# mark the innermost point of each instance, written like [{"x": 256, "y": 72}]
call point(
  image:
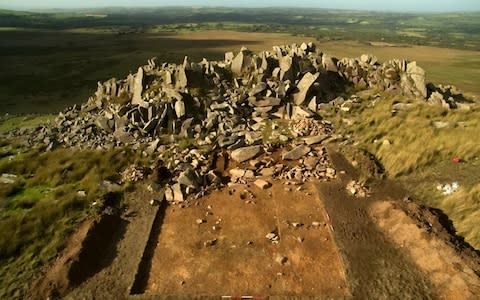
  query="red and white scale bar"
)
[
  {"x": 328, "y": 221},
  {"x": 244, "y": 297}
]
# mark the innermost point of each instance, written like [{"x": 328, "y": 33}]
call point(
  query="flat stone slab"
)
[
  {"x": 296, "y": 153},
  {"x": 315, "y": 139},
  {"x": 246, "y": 153}
]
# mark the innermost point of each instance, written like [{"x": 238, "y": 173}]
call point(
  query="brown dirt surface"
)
[
  {"x": 449, "y": 272},
  {"x": 243, "y": 261}
]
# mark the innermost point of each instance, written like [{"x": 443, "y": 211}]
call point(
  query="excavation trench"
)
[{"x": 228, "y": 254}]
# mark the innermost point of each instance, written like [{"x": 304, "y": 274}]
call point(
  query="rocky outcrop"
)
[{"x": 245, "y": 106}]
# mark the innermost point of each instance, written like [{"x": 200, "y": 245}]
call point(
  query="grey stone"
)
[
  {"x": 311, "y": 162},
  {"x": 299, "y": 113},
  {"x": 188, "y": 178},
  {"x": 418, "y": 76},
  {"x": 138, "y": 88},
  {"x": 317, "y": 139},
  {"x": 246, "y": 153},
  {"x": 103, "y": 124},
  {"x": 272, "y": 236},
  {"x": 210, "y": 243},
  {"x": 177, "y": 193},
  {"x": 8, "y": 178},
  {"x": 441, "y": 124},
  {"x": 238, "y": 63},
  {"x": 180, "y": 108},
  {"x": 313, "y": 104},
  {"x": 265, "y": 102},
  {"x": 303, "y": 87},
  {"x": 285, "y": 63},
  {"x": 296, "y": 152},
  {"x": 401, "y": 106},
  {"x": 267, "y": 172},
  {"x": 259, "y": 87},
  {"x": 181, "y": 78},
  {"x": 225, "y": 141},
  {"x": 281, "y": 260},
  {"x": 153, "y": 146},
  {"x": 329, "y": 64},
  {"x": 122, "y": 136},
  {"x": 236, "y": 173},
  {"x": 229, "y": 56}
]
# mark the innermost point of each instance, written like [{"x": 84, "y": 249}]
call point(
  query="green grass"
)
[
  {"x": 26, "y": 121},
  {"x": 415, "y": 143},
  {"x": 420, "y": 156},
  {"x": 42, "y": 208}
]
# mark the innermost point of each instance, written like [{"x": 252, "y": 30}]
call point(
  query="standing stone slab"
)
[
  {"x": 180, "y": 108},
  {"x": 237, "y": 64},
  {"x": 138, "y": 88},
  {"x": 303, "y": 86},
  {"x": 246, "y": 153},
  {"x": 417, "y": 74}
]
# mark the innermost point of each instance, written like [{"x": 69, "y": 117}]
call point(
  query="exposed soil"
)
[
  {"x": 376, "y": 247},
  {"x": 243, "y": 261},
  {"x": 397, "y": 249},
  {"x": 89, "y": 250}
]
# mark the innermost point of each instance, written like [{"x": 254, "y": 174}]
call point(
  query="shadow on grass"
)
[{"x": 98, "y": 249}]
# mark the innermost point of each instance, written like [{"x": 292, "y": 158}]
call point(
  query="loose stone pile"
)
[{"x": 246, "y": 106}]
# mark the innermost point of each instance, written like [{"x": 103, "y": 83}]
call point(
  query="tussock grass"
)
[
  {"x": 11, "y": 122},
  {"x": 414, "y": 142},
  {"x": 420, "y": 156},
  {"x": 464, "y": 209},
  {"x": 43, "y": 207}
]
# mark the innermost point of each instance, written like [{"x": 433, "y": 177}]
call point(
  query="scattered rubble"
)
[
  {"x": 449, "y": 188},
  {"x": 357, "y": 189},
  {"x": 8, "y": 178}
]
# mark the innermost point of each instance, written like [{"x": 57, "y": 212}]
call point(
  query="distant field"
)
[{"x": 45, "y": 71}]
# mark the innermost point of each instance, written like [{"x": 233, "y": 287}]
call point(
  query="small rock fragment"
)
[{"x": 263, "y": 184}]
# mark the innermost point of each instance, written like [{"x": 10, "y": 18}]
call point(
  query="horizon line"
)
[{"x": 39, "y": 9}]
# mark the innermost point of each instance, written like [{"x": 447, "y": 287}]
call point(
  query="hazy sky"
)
[{"x": 396, "y": 5}]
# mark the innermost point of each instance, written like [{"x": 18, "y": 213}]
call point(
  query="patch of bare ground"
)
[
  {"x": 453, "y": 271},
  {"x": 91, "y": 248},
  {"x": 397, "y": 249},
  {"x": 218, "y": 246},
  {"x": 101, "y": 259}
]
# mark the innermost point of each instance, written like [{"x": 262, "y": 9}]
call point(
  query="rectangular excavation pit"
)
[{"x": 218, "y": 247}]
